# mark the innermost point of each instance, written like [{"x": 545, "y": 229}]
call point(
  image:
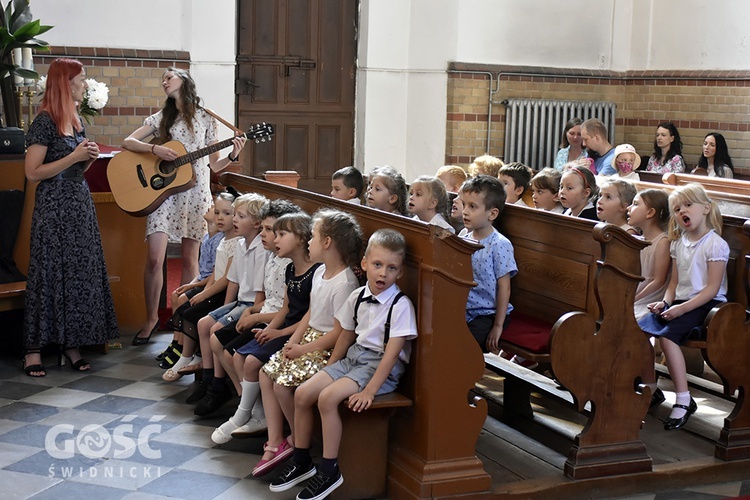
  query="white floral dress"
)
[{"x": 181, "y": 215}]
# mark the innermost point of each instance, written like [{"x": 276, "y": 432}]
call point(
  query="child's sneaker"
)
[
  {"x": 320, "y": 486},
  {"x": 291, "y": 475}
]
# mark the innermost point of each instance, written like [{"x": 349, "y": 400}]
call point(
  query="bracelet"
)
[
  {"x": 666, "y": 304},
  {"x": 152, "y": 148},
  {"x": 232, "y": 160}
]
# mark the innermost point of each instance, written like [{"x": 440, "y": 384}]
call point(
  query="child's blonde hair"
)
[
  {"x": 395, "y": 184},
  {"x": 456, "y": 174},
  {"x": 390, "y": 239},
  {"x": 626, "y": 190},
  {"x": 485, "y": 165},
  {"x": 253, "y": 203},
  {"x": 299, "y": 224},
  {"x": 657, "y": 199},
  {"x": 344, "y": 231},
  {"x": 437, "y": 192},
  {"x": 548, "y": 178},
  {"x": 693, "y": 193}
]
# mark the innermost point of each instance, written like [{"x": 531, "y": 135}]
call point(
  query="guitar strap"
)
[{"x": 222, "y": 120}]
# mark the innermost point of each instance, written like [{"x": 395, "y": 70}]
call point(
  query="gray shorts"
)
[
  {"x": 360, "y": 364},
  {"x": 229, "y": 312}
]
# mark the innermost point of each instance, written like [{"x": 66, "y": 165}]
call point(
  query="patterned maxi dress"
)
[
  {"x": 181, "y": 215},
  {"x": 68, "y": 299}
]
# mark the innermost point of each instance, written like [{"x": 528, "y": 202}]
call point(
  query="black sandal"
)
[
  {"x": 78, "y": 364},
  {"x": 37, "y": 368}
]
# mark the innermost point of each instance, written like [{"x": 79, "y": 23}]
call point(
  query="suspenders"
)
[{"x": 387, "y": 326}]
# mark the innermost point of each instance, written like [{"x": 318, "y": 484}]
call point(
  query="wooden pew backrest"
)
[{"x": 427, "y": 457}]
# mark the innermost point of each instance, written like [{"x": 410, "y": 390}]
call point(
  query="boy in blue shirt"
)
[{"x": 488, "y": 305}]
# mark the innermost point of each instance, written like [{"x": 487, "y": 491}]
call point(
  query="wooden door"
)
[{"x": 295, "y": 70}]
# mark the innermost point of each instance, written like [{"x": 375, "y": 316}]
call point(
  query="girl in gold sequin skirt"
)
[{"x": 337, "y": 243}]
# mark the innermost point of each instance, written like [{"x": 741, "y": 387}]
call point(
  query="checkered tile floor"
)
[{"x": 119, "y": 431}]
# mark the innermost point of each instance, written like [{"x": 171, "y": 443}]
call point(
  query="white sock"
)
[
  {"x": 258, "y": 412},
  {"x": 183, "y": 361},
  {"x": 250, "y": 393},
  {"x": 682, "y": 398}
]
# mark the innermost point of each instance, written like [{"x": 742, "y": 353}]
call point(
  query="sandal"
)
[
  {"x": 281, "y": 452},
  {"x": 79, "y": 364},
  {"x": 35, "y": 368}
]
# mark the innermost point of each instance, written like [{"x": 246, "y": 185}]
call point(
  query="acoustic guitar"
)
[{"x": 140, "y": 182}]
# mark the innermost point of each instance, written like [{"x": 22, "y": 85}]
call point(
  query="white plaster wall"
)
[
  {"x": 692, "y": 35},
  {"x": 401, "y": 84},
  {"x": 209, "y": 34}
]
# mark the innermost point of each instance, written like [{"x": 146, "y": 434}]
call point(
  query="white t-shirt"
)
[
  {"x": 249, "y": 268},
  {"x": 328, "y": 296},
  {"x": 692, "y": 264},
  {"x": 224, "y": 251},
  {"x": 371, "y": 319},
  {"x": 356, "y": 201},
  {"x": 273, "y": 284}
]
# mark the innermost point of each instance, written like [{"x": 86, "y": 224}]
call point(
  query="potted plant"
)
[{"x": 17, "y": 30}]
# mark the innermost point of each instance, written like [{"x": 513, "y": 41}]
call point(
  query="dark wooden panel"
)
[{"x": 296, "y": 69}]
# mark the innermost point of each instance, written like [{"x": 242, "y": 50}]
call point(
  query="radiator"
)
[{"x": 534, "y": 127}]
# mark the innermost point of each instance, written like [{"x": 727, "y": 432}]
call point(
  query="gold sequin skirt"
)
[{"x": 292, "y": 372}]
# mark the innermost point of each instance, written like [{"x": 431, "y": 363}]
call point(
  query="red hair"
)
[{"x": 57, "y": 99}]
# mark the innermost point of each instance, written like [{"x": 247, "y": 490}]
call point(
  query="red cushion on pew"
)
[{"x": 528, "y": 332}]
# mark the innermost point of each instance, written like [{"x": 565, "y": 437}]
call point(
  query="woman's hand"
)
[
  {"x": 86, "y": 150},
  {"x": 164, "y": 152},
  {"x": 237, "y": 144}
]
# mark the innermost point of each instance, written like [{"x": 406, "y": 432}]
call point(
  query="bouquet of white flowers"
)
[{"x": 94, "y": 99}]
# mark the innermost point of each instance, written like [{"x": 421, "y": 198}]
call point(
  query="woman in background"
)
[
  {"x": 571, "y": 148},
  {"x": 667, "y": 155},
  {"x": 715, "y": 158}
]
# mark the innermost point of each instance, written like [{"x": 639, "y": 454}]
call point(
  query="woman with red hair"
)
[{"x": 68, "y": 300}]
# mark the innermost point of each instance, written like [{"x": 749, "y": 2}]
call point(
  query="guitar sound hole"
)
[{"x": 166, "y": 168}]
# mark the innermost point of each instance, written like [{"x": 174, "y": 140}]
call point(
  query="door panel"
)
[{"x": 295, "y": 70}]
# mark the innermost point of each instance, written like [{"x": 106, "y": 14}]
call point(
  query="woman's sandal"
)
[
  {"x": 80, "y": 363},
  {"x": 38, "y": 368},
  {"x": 281, "y": 452}
]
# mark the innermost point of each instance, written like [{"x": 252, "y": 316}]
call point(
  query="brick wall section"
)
[
  {"x": 134, "y": 80},
  {"x": 698, "y": 102}
]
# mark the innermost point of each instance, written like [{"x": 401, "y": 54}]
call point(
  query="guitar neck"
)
[{"x": 200, "y": 153}]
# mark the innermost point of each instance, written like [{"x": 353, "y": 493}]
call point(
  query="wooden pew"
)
[
  {"x": 717, "y": 184},
  {"x": 729, "y": 203},
  {"x": 581, "y": 279},
  {"x": 431, "y": 443}
]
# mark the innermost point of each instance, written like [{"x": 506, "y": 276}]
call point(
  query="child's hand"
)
[
  {"x": 264, "y": 335},
  {"x": 197, "y": 298},
  {"x": 671, "y": 313},
  {"x": 361, "y": 401},
  {"x": 656, "y": 307},
  {"x": 183, "y": 288},
  {"x": 245, "y": 321},
  {"x": 293, "y": 351},
  {"x": 493, "y": 339}
]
